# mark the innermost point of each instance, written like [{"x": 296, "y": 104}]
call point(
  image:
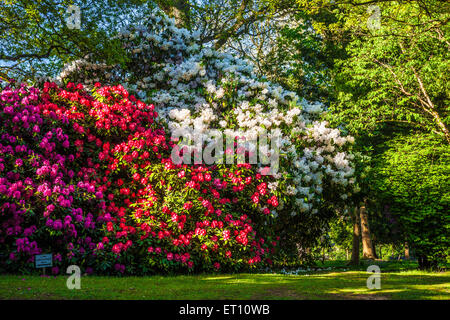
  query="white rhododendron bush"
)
[{"x": 202, "y": 92}]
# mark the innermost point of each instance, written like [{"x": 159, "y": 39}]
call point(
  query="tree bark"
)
[
  {"x": 431, "y": 109},
  {"x": 440, "y": 124},
  {"x": 374, "y": 245},
  {"x": 356, "y": 234},
  {"x": 406, "y": 251},
  {"x": 425, "y": 264},
  {"x": 374, "y": 248},
  {"x": 368, "y": 252}
]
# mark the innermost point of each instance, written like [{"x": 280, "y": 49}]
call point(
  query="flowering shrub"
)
[
  {"x": 48, "y": 199},
  {"x": 89, "y": 178},
  {"x": 199, "y": 89}
]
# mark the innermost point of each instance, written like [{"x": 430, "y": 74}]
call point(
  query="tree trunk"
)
[
  {"x": 406, "y": 251},
  {"x": 425, "y": 264},
  {"x": 440, "y": 124},
  {"x": 374, "y": 246},
  {"x": 356, "y": 234},
  {"x": 431, "y": 107},
  {"x": 368, "y": 252}
]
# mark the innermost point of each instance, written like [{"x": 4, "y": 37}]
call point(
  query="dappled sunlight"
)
[
  {"x": 364, "y": 290},
  {"x": 331, "y": 285},
  {"x": 216, "y": 278}
]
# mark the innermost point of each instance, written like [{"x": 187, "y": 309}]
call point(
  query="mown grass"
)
[{"x": 313, "y": 285}]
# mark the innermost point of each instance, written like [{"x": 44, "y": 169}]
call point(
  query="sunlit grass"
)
[{"x": 311, "y": 285}]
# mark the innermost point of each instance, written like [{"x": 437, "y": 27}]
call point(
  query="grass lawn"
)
[{"x": 311, "y": 285}]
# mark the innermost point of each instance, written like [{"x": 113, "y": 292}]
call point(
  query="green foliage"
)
[
  {"x": 35, "y": 39},
  {"x": 398, "y": 73},
  {"x": 341, "y": 232},
  {"x": 390, "y": 89},
  {"x": 411, "y": 177},
  {"x": 303, "y": 59}
]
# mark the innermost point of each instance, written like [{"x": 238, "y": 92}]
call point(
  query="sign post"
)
[{"x": 43, "y": 261}]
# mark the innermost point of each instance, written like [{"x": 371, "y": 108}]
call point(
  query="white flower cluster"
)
[
  {"x": 196, "y": 87},
  {"x": 91, "y": 71}
]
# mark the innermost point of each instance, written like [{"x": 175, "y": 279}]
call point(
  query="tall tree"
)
[
  {"x": 397, "y": 73},
  {"x": 411, "y": 177},
  {"x": 392, "y": 85},
  {"x": 38, "y": 37}
]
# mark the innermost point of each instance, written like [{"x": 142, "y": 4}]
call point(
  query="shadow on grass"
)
[
  {"x": 336, "y": 285},
  {"x": 320, "y": 285}
]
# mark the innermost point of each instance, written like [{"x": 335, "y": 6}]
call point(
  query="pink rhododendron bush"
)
[{"x": 88, "y": 176}]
